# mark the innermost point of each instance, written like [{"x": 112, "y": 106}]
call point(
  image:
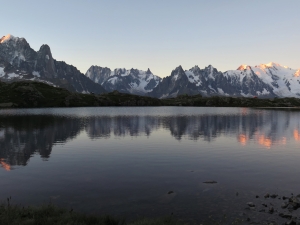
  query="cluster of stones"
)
[{"x": 287, "y": 210}]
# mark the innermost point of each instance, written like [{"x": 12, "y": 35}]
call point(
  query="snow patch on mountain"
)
[
  {"x": 193, "y": 78},
  {"x": 221, "y": 91},
  {"x": 113, "y": 80},
  {"x": 2, "y": 73},
  {"x": 36, "y": 74}
]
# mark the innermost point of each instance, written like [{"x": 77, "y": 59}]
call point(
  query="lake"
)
[{"x": 150, "y": 161}]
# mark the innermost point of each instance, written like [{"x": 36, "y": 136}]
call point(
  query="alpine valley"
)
[{"x": 18, "y": 61}]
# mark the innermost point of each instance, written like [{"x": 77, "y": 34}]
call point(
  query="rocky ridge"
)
[{"x": 18, "y": 61}]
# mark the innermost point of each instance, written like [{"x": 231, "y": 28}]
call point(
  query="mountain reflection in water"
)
[
  {"x": 125, "y": 160},
  {"x": 22, "y": 136}
]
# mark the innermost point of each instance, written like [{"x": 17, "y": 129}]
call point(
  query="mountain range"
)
[{"x": 18, "y": 61}]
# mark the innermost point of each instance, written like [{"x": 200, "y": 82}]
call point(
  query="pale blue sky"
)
[{"x": 159, "y": 34}]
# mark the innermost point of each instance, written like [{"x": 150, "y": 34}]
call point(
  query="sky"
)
[{"x": 159, "y": 34}]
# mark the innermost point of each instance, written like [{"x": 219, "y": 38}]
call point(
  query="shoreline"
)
[
  {"x": 269, "y": 208},
  {"x": 40, "y": 95}
]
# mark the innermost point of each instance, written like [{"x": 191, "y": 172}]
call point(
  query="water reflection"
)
[
  {"x": 297, "y": 135},
  {"x": 21, "y": 136}
]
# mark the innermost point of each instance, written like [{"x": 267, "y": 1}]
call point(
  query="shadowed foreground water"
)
[{"x": 124, "y": 161}]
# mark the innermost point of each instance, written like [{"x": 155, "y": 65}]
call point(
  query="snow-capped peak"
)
[
  {"x": 263, "y": 66},
  {"x": 244, "y": 67},
  {"x": 297, "y": 74},
  {"x": 283, "y": 80},
  {"x": 6, "y": 38},
  {"x": 271, "y": 64}
]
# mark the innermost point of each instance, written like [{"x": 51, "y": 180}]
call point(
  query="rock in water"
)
[{"x": 250, "y": 204}]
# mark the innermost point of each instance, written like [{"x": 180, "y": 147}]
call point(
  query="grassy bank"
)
[{"x": 51, "y": 215}]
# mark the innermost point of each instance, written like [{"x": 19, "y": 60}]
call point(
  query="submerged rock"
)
[
  {"x": 284, "y": 205},
  {"x": 273, "y": 195},
  {"x": 285, "y": 215},
  {"x": 250, "y": 204},
  {"x": 267, "y": 195}
]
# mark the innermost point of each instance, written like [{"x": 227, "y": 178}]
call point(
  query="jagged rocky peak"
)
[
  {"x": 178, "y": 73},
  {"x": 45, "y": 63},
  {"x": 210, "y": 70},
  {"x": 148, "y": 71},
  {"x": 194, "y": 71},
  {"x": 119, "y": 71},
  {"x": 178, "y": 69},
  {"x": 98, "y": 69},
  {"x": 45, "y": 48},
  {"x": 45, "y": 51},
  {"x": 134, "y": 72},
  {"x": 195, "y": 68}
]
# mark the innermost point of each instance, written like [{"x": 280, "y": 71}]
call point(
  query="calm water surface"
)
[{"x": 124, "y": 161}]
